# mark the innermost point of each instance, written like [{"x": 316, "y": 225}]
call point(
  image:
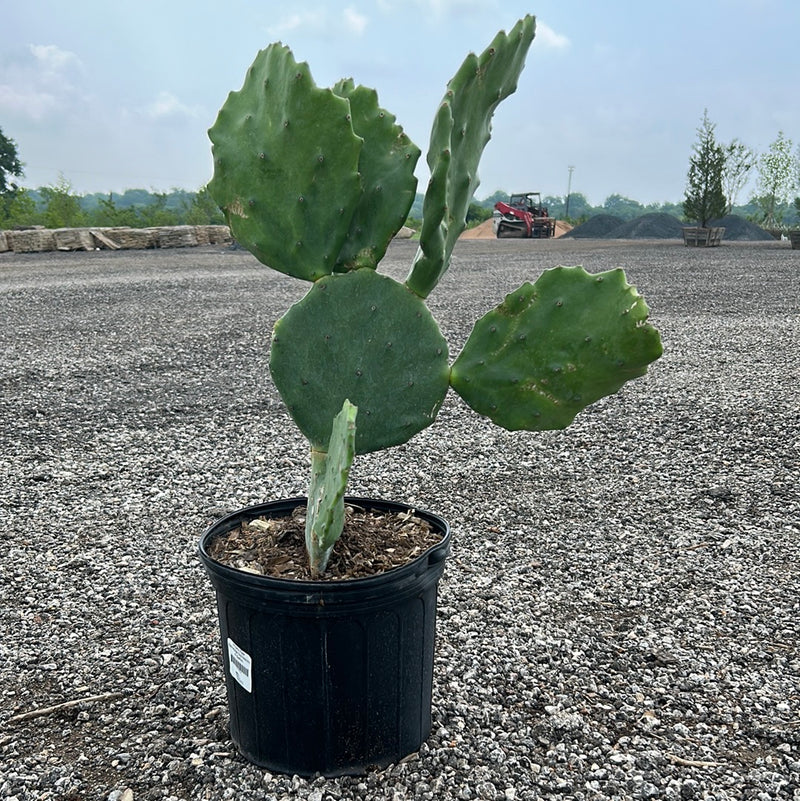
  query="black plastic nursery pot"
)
[{"x": 328, "y": 677}]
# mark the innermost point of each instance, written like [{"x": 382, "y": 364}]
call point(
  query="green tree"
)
[
  {"x": 476, "y": 214},
  {"x": 106, "y": 213},
  {"x": 622, "y": 206},
  {"x": 739, "y": 163},
  {"x": 203, "y": 210},
  {"x": 156, "y": 213},
  {"x": 777, "y": 178},
  {"x": 18, "y": 209},
  {"x": 62, "y": 207},
  {"x": 10, "y": 167},
  {"x": 10, "y": 164},
  {"x": 500, "y": 194},
  {"x": 579, "y": 207},
  {"x": 705, "y": 199}
]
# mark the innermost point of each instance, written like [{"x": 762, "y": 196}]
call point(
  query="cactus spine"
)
[{"x": 315, "y": 183}]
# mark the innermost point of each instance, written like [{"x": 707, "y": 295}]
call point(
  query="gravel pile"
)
[
  {"x": 621, "y": 613},
  {"x": 597, "y": 227},
  {"x": 663, "y": 226},
  {"x": 649, "y": 226},
  {"x": 741, "y": 230}
]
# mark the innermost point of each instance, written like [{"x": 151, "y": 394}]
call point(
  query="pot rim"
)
[{"x": 321, "y": 587}]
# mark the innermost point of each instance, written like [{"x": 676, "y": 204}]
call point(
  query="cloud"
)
[
  {"x": 437, "y": 9},
  {"x": 313, "y": 20},
  {"x": 40, "y": 80},
  {"x": 26, "y": 102},
  {"x": 547, "y": 37},
  {"x": 319, "y": 21},
  {"x": 166, "y": 105},
  {"x": 354, "y": 21},
  {"x": 53, "y": 60}
]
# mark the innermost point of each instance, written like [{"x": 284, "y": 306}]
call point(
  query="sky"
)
[{"x": 118, "y": 95}]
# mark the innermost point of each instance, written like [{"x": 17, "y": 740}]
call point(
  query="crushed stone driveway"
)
[{"x": 619, "y": 618}]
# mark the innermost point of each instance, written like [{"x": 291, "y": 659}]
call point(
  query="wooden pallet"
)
[{"x": 695, "y": 236}]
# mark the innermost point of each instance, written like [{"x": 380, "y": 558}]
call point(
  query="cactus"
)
[{"x": 315, "y": 183}]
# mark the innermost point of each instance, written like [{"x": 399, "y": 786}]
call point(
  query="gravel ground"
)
[{"x": 620, "y": 616}]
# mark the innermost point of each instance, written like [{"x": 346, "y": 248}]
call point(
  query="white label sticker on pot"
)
[{"x": 240, "y": 665}]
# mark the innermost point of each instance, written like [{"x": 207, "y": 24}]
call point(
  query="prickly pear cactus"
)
[
  {"x": 315, "y": 183},
  {"x": 387, "y": 182},
  {"x": 286, "y": 166}
]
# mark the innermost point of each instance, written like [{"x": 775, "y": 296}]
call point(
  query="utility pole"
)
[{"x": 569, "y": 189}]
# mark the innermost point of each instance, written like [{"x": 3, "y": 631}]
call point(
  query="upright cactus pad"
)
[
  {"x": 364, "y": 337},
  {"x": 461, "y": 130},
  {"x": 311, "y": 180},
  {"x": 286, "y": 166},
  {"x": 553, "y": 347},
  {"x": 388, "y": 186},
  {"x": 329, "y": 472}
]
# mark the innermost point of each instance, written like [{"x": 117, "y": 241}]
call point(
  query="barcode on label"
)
[{"x": 240, "y": 665}]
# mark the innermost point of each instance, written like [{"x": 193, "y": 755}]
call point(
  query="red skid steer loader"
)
[{"x": 523, "y": 216}]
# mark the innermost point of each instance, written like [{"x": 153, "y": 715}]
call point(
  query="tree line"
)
[
  {"x": 59, "y": 207},
  {"x": 718, "y": 173}
]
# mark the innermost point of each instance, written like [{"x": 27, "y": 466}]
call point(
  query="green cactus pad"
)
[
  {"x": 329, "y": 472},
  {"x": 286, "y": 166},
  {"x": 386, "y": 166},
  {"x": 364, "y": 337},
  {"x": 460, "y": 136},
  {"x": 429, "y": 260},
  {"x": 553, "y": 347}
]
